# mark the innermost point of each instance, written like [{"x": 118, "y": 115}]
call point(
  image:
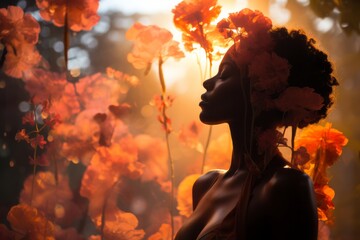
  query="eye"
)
[{"x": 225, "y": 73}]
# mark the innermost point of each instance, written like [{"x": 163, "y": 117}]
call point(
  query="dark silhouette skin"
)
[{"x": 282, "y": 203}]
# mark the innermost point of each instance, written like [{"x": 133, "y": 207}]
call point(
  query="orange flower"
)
[
  {"x": 323, "y": 231},
  {"x": 153, "y": 154},
  {"x": 324, "y": 147},
  {"x": 17, "y": 27},
  {"x": 184, "y": 195},
  {"x": 121, "y": 226},
  {"x": 43, "y": 85},
  {"x": 52, "y": 198},
  {"x": 219, "y": 153},
  {"x": 20, "y": 59},
  {"x": 107, "y": 166},
  {"x": 30, "y": 223},
  {"x": 324, "y": 196},
  {"x": 162, "y": 103},
  {"x": 249, "y": 30},
  {"x": 21, "y": 135},
  {"x": 189, "y": 135},
  {"x": 164, "y": 233},
  {"x": 112, "y": 73},
  {"x": 81, "y": 14},
  {"x": 97, "y": 92},
  {"x": 329, "y": 140},
  {"x": 151, "y": 43},
  {"x": 193, "y": 18}
]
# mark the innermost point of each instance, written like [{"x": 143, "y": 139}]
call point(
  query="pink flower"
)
[
  {"x": 19, "y": 32},
  {"x": 44, "y": 85},
  {"x": 81, "y": 14},
  {"x": 17, "y": 27},
  {"x": 151, "y": 43},
  {"x": 20, "y": 59}
]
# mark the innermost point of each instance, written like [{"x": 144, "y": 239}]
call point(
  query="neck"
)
[
  {"x": 241, "y": 138},
  {"x": 241, "y": 146}
]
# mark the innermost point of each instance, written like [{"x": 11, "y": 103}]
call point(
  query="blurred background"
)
[{"x": 334, "y": 24}]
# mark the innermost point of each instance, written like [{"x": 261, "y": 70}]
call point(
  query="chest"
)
[{"x": 218, "y": 206}]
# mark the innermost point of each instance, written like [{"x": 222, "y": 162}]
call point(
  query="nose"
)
[{"x": 209, "y": 84}]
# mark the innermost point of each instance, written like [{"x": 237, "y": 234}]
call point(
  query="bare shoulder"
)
[
  {"x": 290, "y": 180},
  {"x": 291, "y": 203},
  {"x": 203, "y": 184}
]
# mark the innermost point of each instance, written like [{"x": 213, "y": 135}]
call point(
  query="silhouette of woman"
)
[{"x": 269, "y": 78}]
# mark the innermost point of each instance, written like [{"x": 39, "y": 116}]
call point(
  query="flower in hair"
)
[
  {"x": 249, "y": 30},
  {"x": 269, "y": 73}
]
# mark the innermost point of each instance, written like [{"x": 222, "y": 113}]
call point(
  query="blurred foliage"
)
[{"x": 349, "y": 17}]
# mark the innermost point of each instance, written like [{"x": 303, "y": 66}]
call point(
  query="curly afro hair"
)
[{"x": 310, "y": 67}]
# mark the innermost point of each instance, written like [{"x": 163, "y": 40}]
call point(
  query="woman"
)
[{"x": 269, "y": 78}]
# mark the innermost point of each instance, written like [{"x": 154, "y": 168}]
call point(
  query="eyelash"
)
[{"x": 223, "y": 74}]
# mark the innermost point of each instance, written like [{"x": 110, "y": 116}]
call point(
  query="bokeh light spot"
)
[
  {"x": 75, "y": 72},
  {"x": 324, "y": 24},
  {"x": 138, "y": 206},
  {"x": 58, "y": 46},
  {"x": 2, "y": 84},
  {"x": 147, "y": 111},
  {"x": 59, "y": 211},
  {"x": 304, "y": 2},
  {"x": 24, "y": 106},
  {"x": 12, "y": 163}
]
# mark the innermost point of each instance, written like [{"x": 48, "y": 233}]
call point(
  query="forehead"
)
[{"x": 229, "y": 57}]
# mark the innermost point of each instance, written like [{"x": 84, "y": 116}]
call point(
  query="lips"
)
[{"x": 203, "y": 100}]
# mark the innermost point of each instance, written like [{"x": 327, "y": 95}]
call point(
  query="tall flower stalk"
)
[
  {"x": 153, "y": 43},
  {"x": 39, "y": 118},
  {"x": 194, "y": 19}
]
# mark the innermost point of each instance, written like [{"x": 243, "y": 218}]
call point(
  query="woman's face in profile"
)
[{"x": 221, "y": 103}]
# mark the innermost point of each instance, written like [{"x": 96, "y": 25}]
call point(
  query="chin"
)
[{"x": 206, "y": 119}]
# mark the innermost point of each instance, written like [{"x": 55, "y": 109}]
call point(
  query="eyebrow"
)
[{"x": 231, "y": 64}]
